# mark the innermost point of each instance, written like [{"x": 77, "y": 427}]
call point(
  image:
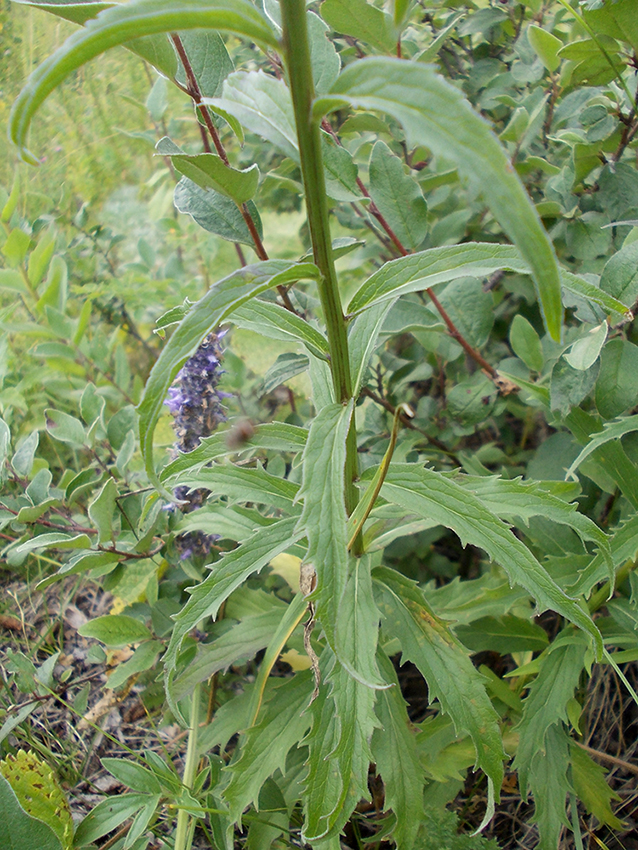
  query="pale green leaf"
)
[
  {"x": 118, "y": 25},
  {"x": 65, "y": 428},
  {"x": 325, "y": 60},
  {"x": 263, "y": 105},
  {"x": 215, "y": 212},
  {"x": 584, "y": 352},
  {"x": 395, "y": 753},
  {"x": 101, "y": 511},
  {"x": 115, "y": 630},
  {"x": 275, "y": 322},
  {"x": 546, "y": 703},
  {"x": 242, "y": 484},
  {"x": 323, "y": 519},
  {"x": 546, "y": 46},
  {"x": 361, "y": 20},
  {"x": 445, "y": 664},
  {"x": 55, "y": 540},
  {"x": 435, "y": 114},
  {"x": 363, "y": 335},
  {"x": 210, "y": 172},
  {"x": 206, "y": 314},
  {"x": 433, "y": 496}
]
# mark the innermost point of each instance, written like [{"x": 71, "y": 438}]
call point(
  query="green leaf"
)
[
  {"x": 526, "y": 343},
  {"x": 5, "y": 443},
  {"x": 504, "y": 634},
  {"x": 282, "y": 724},
  {"x": 109, "y": 814},
  {"x": 611, "y": 431},
  {"x": 325, "y": 60},
  {"x": 209, "y": 171},
  {"x": 395, "y": 753},
  {"x": 206, "y": 314},
  {"x": 470, "y": 308},
  {"x": 357, "y": 626},
  {"x": 545, "y": 706},
  {"x": 215, "y": 212},
  {"x": 40, "y": 258},
  {"x": 361, "y": 20},
  {"x": 617, "y": 20},
  {"x": 617, "y": 384},
  {"x": 208, "y": 58},
  {"x": 229, "y": 572},
  {"x": 101, "y": 511},
  {"x": 546, "y": 46},
  {"x": 115, "y": 630},
  {"x": 65, "y": 428},
  {"x": 275, "y": 322},
  {"x": 591, "y": 787},
  {"x": 584, "y": 352},
  {"x": 430, "y": 495},
  {"x": 434, "y": 113},
  {"x": 18, "y": 830},
  {"x": 445, "y": 664},
  {"x": 116, "y": 26},
  {"x": 132, "y": 775},
  {"x": 285, "y": 367},
  {"x": 339, "y": 754},
  {"x": 549, "y": 785},
  {"x": 363, "y": 336},
  {"x": 55, "y": 540},
  {"x": 241, "y": 642},
  {"x": 620, "y": 275},
  {"x": 142, "y": 659},
  {"x": 277, "y": 436},
  {"x": 397, "y": 196},
  {"x": 242, "y": 484},
  {"x": 575, "y": 284},
  {"x": 263, "y": 105},
  {"x": 323, "y": 519},
  {"x": 569, "y": 386},
  {"x": 340, "y": 171},
  {"x": 22, "y": 460}
]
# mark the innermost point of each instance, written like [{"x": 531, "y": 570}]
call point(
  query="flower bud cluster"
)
[{"x": 196, "y": 404}]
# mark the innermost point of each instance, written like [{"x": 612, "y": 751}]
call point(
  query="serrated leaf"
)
[
  {"x": 445, "y": 664},
  {"x": 398, "y": 197},
  {"x": 277, "y": 436},
  {"x": 545, "y": 705},
  {"x": 361, "y": 20},
  {"x": 282, "y": 724},
  {"x": 395, "y": 753},
  {"x": 263, "y": 105},
  {"x": 591, "y": 787},
  {"x": 549, "y": 785},
  {"x": 116, "y": 26},
  {"x": 338, "y": 753},
  {"x": 206, "y": 314},
  {"x": 416, "y": 97},
  {"x": 244, "y": 485},
  {"x": 323, "y": 519},
  {"x": 429, "y": 494},
  {"x": 115, "y": 630},
  {"x": 231, "y": 571},
  {"x": 215, "y": 212}
]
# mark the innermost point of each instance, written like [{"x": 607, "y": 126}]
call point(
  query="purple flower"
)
[{"x": 196, "y": 406}]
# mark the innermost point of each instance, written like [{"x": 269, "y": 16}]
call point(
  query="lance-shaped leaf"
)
[
  {"x": 209, "y": 171},
  {"x": 546, "y": 703},
  {"x": 430, "y": 494},
  {"x": 611, "y": 431},
  {"x": 120, "y": 24},
  {"x": 363, "y": 334},
  {"x": 444, "y": 663},
  {"x": 243, "y": 485},
  {"x": 277, "y": 436},
  {"x": 156, "y": 49},
  {"x": 215, "y": 212},
  {"x": 228, "y": 573},
  {"x": 434, "y": 113},
  {"x": 624, "y": 547},
  {"x": 512, "y": 498},
  {"x": 441, "y": 265},
  {"x": 323, "y": 519},
  {"x": 264, "y": 747},
  {"x": 206, "y": 314},
  {"x": 339, "y": 753},
  {"x": 275, "y": 322},
  {"x": 550, "y": 786},
  {"x": 396, "y": 756}
]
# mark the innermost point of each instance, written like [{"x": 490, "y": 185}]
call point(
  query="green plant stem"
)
[
  {"x": 297, "y": 52},
  {"x": 182, "y": 831}
]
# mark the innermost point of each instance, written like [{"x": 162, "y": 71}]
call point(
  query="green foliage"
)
[{"x": 405, "y": 466}]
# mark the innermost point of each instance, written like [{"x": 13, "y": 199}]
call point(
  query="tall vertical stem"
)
[{"x": 297, "y": 52}]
